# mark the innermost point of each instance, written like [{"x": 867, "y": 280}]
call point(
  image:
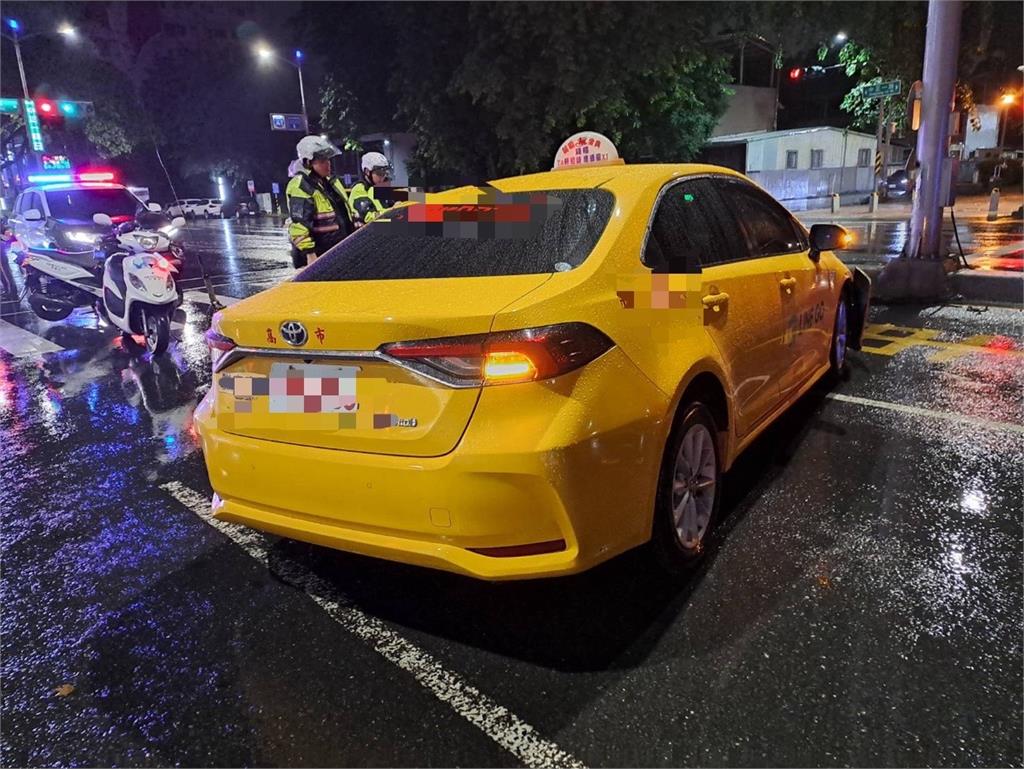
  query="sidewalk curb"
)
[
  {"x": 982, "y": 286},
  {"x": 989, "y": 286}
]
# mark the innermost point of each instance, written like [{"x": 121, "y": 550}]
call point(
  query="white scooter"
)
[{"x": 128, "y": 279}]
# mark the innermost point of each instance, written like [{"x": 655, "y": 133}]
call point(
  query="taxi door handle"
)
[
  {"x": 715, "y": 301},
  {"x": 788, "y": 283}
]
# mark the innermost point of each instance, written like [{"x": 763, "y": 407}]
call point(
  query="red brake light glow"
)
[
  {"x": 219, "y": 346},
  {"x": 505, "y": 357}
]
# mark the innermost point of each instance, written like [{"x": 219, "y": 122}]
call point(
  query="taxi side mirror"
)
[{"x": 828, "y": 237}]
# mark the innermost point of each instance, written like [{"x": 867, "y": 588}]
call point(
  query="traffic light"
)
[
  {"x": 54, "y": 113},
  {"x": 809, "y": 73}
]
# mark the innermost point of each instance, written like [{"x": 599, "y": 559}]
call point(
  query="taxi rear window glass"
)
[{"x": 500, "y": 234}]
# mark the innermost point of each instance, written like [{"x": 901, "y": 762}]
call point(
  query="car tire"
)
[
  {"x": 684, "y": 515},
  {"x": 838, "y": 368}
]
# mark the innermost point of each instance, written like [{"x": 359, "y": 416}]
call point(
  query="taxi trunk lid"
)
[{"x": 328, "y": 387}]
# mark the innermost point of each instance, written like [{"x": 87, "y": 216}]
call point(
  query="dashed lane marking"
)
[
  {"x": 21, "y": 343},
  {"x": 987, "y": 424},
  {"x": 497, "y": 722}
]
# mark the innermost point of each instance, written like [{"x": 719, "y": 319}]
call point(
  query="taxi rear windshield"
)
[{"x": 498, "y": 234}]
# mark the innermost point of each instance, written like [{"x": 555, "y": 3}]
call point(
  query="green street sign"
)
[{"x": 880, "y": 90}]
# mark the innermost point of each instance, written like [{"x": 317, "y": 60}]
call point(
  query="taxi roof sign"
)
[{"x": 586, "y": 149}]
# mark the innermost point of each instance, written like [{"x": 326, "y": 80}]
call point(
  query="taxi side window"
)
[
  {"x": 769, "y": 228},
  {"x": 684, "y": 234}
]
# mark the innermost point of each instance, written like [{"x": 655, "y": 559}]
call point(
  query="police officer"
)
[
  {"x": 317, "y": 202},
  {"x": 362, "y": 201}
]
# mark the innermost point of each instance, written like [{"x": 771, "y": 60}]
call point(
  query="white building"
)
[
  {"x": 985, "y": 138},
  {"x": 803, "y": 166}
]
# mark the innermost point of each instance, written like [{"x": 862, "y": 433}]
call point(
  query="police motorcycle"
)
[{"x": 127, "y": 277}]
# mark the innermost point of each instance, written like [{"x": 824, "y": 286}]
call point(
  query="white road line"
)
[
  {"x": 198, "y": 279},
  {"x": 497, "y": 722},
  {"x": 988, "y": 424},
  {"x": 201, "y": 297},
  {"x": 21, "y": 343}
]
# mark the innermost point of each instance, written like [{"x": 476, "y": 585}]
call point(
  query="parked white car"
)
[
  {"x": 214, "y": 208},
  {"x": 188, "y": 207}
]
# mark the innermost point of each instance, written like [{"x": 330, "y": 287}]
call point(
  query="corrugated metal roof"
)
[{"x": 751, "y": 136}]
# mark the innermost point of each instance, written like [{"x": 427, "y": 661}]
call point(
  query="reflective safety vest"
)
[
  {"x": 319, "y": 212},
  {"x": 363, "y": 203}
]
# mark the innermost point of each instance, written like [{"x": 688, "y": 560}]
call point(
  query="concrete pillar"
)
[{"x": 835, "y": 203}]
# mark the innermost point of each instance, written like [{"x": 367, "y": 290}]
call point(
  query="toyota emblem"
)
[{"x": 294, "y": 333}]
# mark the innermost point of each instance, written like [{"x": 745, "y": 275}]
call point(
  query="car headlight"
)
[
  {"x": 136, "y": 283},
  {"x": 81, "y": 236}
]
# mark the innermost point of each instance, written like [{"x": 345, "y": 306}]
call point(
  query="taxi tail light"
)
[
  {"x": 219, "y": 346},
  {"x": 506, "y": 357}
]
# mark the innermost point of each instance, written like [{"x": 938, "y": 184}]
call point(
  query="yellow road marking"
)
[{"x": 888, "y": 339}]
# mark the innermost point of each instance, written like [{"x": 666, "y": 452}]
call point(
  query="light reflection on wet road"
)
[{"x": 861, "y": 603}]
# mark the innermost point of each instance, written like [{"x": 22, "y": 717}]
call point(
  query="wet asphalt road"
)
[
  {"x": 861, "y": 603},
  {"x": 1000, "y": 243}
]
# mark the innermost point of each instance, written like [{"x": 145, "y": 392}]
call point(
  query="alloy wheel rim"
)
[
  {"x": 841, "y": 335},
  {"x": 694, "y": 477}
]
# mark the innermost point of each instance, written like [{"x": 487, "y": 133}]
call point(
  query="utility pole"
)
[
  {"x": 920, "y": 273},
  {"x": 942, "y": 44}
]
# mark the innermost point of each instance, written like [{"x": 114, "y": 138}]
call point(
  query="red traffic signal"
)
[
  {"x": 795, "y": 73},
  {"x": 45, "y": 108}
]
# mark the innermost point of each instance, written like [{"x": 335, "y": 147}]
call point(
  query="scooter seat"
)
[{"x": 83, "y": 259}]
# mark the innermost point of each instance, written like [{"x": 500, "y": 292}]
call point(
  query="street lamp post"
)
[
  {"x": 15, "y": 28},
  {"x": 266, "y": 53},
  {"x": 1007, "y": 100},
  {"x": 65, "y": 30}
]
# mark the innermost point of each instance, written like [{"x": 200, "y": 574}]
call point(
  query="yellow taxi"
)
[{"x": 527, "y": 378}]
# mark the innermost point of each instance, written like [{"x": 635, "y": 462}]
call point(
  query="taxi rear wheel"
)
[{"x": 688, "y": 491}]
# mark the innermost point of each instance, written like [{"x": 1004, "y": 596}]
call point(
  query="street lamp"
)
[
  {"x": 65, "y": 30},
  {"x": 266, "y": 53},
  {"x": 840, "y": 37},
  {"x": 1007, "y": 100}
]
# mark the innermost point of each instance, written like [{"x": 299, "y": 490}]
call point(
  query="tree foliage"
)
[{"x": 490, "y": 89}]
